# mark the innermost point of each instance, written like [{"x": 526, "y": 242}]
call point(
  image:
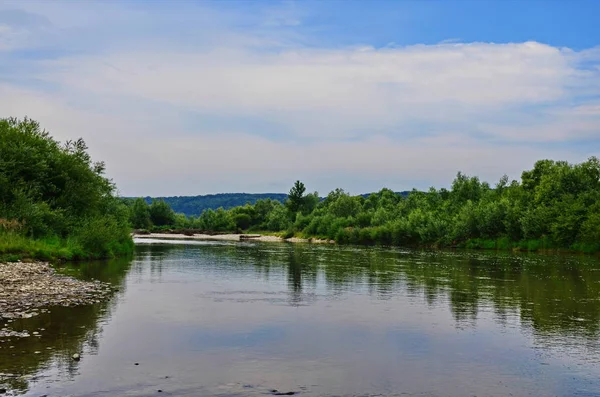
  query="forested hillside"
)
[{"x": 195, "y": 205}]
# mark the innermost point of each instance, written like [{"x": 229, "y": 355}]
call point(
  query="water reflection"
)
[
  {"x": 386, "y": 320},
  {"x": 62, "y": 331},
  {"x": 552, "y": 294}
]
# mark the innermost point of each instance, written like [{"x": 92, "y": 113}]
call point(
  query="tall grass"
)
[{"x": 15, "y": 246}]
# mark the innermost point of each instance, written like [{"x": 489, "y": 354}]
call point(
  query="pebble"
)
[
  {"x": 7, "y": 333},
  {"x": 29, "y": 286}
]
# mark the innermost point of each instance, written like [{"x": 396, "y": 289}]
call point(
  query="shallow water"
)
[{"x": 243, "y": 319}]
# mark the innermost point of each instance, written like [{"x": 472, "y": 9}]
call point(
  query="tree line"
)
[
  {"x": 55, "y": 202},
  {"x": 194, "y": 205},
  {"x": 555, "y": 205}
]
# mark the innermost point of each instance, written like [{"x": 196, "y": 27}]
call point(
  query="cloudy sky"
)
[{"x": 195, "y": 97}]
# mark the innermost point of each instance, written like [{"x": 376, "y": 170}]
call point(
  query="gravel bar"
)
[{"x": 26, "y": 287}]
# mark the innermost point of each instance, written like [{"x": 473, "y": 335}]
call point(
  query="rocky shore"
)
[{"x": 26, "y": 289}]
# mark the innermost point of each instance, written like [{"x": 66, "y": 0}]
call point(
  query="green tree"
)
[
  {"x": 341, "y": 204},
  {"x": 295, "y": 200},
  {"x": 140, "y": 214},
  {"x": 161, "y": 214},
  {"x": 242, "y": 221},
  {"x": 278, "y": 219},
  {"x": 555, "y": 205},
  {"x": 56, "y": 191},
  {"x": 311, "y": 201},
  {"x": 262, "y": 208},
  {"x": 183, "y": 222}
]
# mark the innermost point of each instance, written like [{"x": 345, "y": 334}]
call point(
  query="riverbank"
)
[
  {"x": 472, "y": 244},
  {"x": 26, "y": 289},
  {"x": 232, "y": 237},
  {"x": 96, "y": 244}
]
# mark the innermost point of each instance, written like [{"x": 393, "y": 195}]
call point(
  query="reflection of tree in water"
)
[
  {"x": 554, "y": 295},
  {"x": 66, "y": 331},
  {"x": 550, "y": 293},
  {"x": 295, "y": 278},
  {"x": 301, "y": 269}
]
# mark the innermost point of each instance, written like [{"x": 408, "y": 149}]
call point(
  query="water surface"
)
[{"x": 242, "y": 319}]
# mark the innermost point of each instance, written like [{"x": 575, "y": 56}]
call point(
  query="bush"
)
[
  {"x": 242, "y": 221},
  {"x": 64, "y": 205},
  {"x": 102, "y": 238}
]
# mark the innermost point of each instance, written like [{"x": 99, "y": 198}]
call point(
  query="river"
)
[{"x": 194, "y": 318}]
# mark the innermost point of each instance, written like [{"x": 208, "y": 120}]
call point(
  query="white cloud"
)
[
  {"x": 367, "y": 81},
  {"x": 350, "y": 117}
]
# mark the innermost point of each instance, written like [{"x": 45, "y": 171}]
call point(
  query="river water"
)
[{"x": 246, "y": 319}]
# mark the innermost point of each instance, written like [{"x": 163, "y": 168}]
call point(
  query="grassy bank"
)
[
  {"x": 534, "y": 245},
  {"x": 15, "y": 247},
  {"x": 381, "y": 236}
]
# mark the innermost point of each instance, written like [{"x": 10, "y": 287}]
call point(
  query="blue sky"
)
[{"x": 185, "y": 97}]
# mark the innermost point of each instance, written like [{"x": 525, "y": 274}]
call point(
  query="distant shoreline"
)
[{"x": 232, "y": 237}]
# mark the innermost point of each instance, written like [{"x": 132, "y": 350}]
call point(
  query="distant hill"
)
[
  {"x": 194, "y": 205},
  {"x": 403, "y": 194}
]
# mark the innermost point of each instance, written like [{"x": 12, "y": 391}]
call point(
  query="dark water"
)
[{"x": 241, "y": 319}]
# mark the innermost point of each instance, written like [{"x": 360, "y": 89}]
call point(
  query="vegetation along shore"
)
[
  {"x": 555, "y": 206},
  {"x": 56, "y": 204}
]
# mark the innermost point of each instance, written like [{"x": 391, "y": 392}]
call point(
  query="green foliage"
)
[
  {"x": 219, "y": 220},
  {"x": 555, "y": 206},
  {"x": 104, "y": 237},
  {"x": 341, "y": 204},
  {"x": 161, "y": 214},
  {"x": 140, "y": 214},
  {"x": 277, "y": 219},
  {"x": 58, "y": 195},
  {"x": 195, "y": 205},
  {"x": 295, "y": 199},
  {"x": 183, "y": 222},
  {"x": 311, "y": 201},
  {"x": 242, "y": 221}
]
